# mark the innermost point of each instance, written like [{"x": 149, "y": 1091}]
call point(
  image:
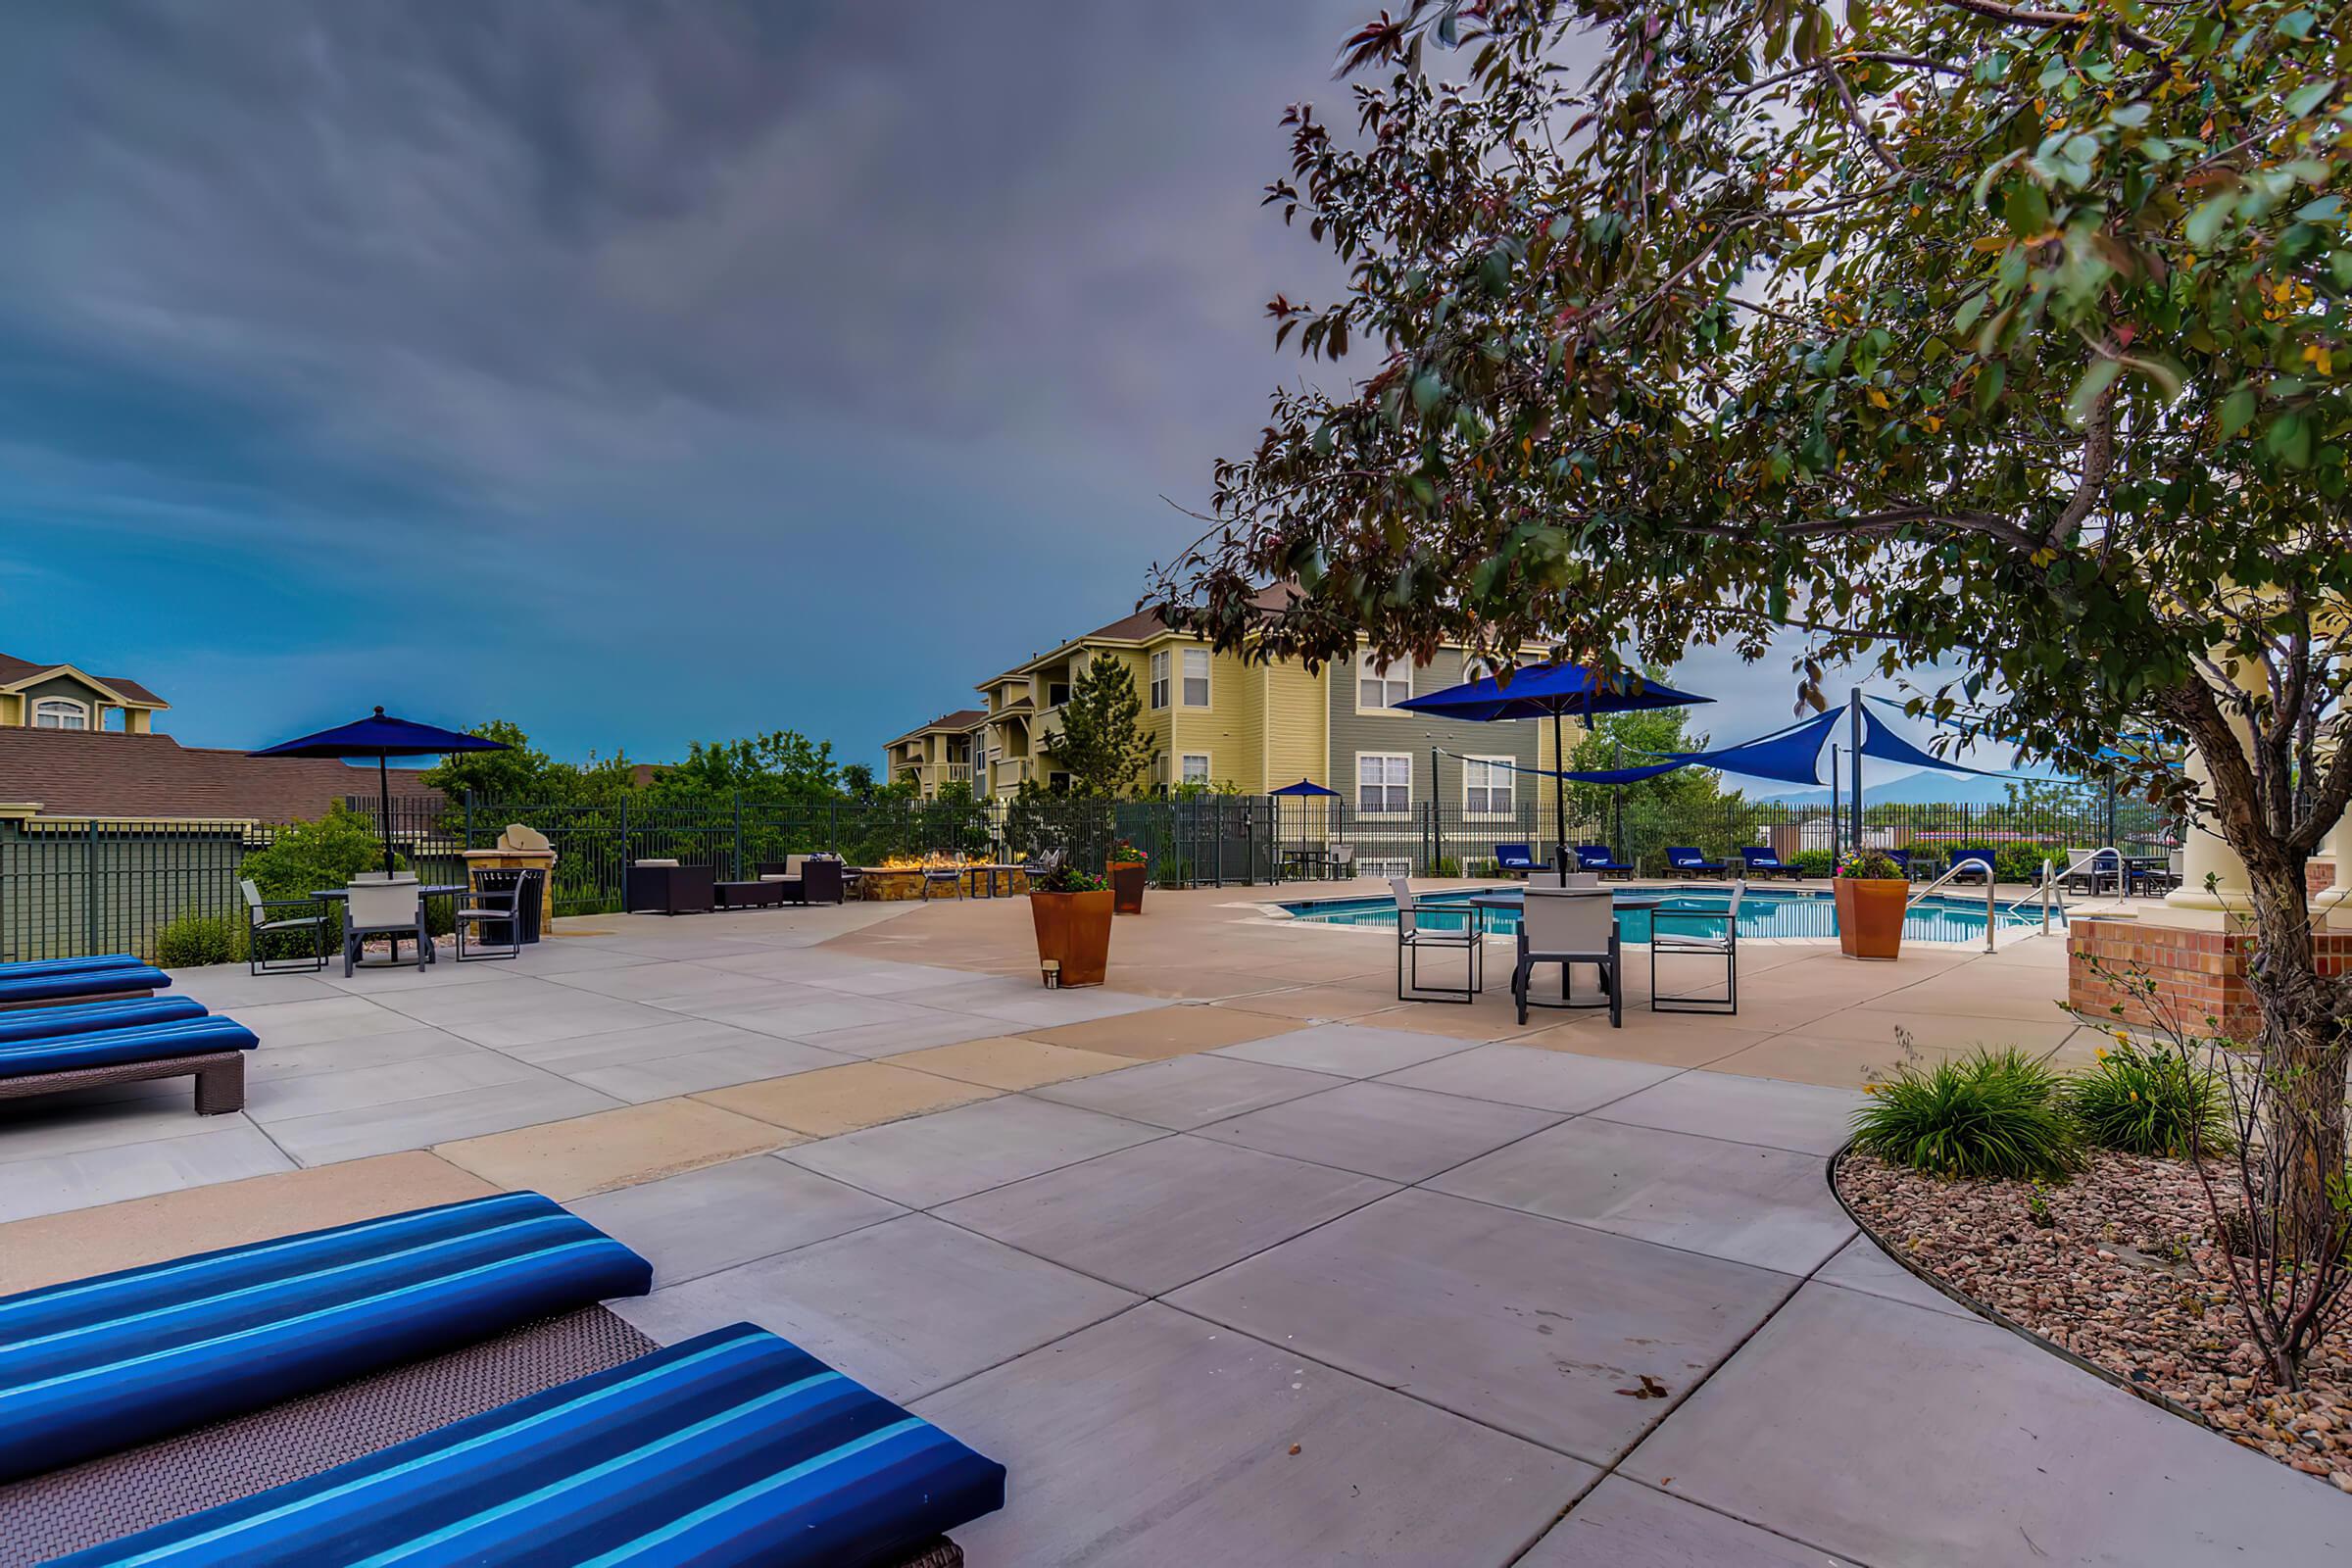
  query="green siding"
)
[{"x": 1414, "y": 734}]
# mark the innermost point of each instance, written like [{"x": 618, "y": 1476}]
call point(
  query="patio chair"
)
[
  {"x": 1762, "y": 863},
  {"x": 949, "y": 877},
  {"x": 1413, "y": 939},
  {"x": 1343, "y": 863},
  {"x": 261, "y": 925},
  {"x": 500, "y": 899},
  {"x": 1569, "y": 926},
  {"x": 1982, "y": 858},
  {"x": 334, "y": 1396},
  {"x": 131, "y": 1049},
  {"x": 1700, "y": 940},
  {"x": 1600, "y": 858},
  {"x": 1513, "y": 859},
  {"x": 392, "y": 910},
  {"x": 1686, "y": 861},
  {"x": 69, "y": 982}
]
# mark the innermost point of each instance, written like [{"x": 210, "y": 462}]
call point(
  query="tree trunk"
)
[{"x": 2304, "y": 1050}]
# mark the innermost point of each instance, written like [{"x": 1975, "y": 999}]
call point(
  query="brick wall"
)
[
  {"x": 2199, "y": 974},
  {"x": 2318, "y": 875}
]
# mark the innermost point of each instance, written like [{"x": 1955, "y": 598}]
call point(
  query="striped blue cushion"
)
[
  {"x": 98, "y": 1365},
  {"x": 736, "y": 1448},
  {"x": 183, "y": 1037},
  {"x": 81, "y": 983},
  {"x": 37, "y": 966},
  {"x": 39, "y": 1023}
]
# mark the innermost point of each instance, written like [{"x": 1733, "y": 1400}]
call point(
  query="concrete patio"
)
[{"x": 1236, "y": 1260}]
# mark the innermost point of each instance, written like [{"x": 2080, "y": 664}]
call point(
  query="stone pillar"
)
[
  {"x": 2331, "y": 902},
  {"x": 2205, "y": 853}
]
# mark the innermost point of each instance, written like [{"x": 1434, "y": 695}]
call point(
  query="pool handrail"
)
[{"x": 1966, "y": 862}]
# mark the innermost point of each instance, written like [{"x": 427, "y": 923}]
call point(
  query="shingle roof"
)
[
  {"x": 961, "y": 719},
  {"x": 14, "y": 669},
  {"x": 110, "y": 774},
  {"x": 1147, "y": 624}
]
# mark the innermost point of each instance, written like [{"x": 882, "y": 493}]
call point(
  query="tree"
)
[
  {"x": 1953, "y": 330},
  {"x": 515, "y": 774},
  {"x": 782, "y": 762},
  {"x": 1102, "y": 742}
]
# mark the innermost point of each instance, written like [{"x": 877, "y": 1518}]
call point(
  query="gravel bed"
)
[{"x": 2123, "y": 1274}]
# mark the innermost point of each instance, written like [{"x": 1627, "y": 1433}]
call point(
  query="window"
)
[
  {"x": 1196, "y": 767},
  {"x": 1160, "y": 679},
  {"x": 1383, "y": 783},
  {"x": 59, "y": 712},
  {"x": 1487, "y": 786},
  {"x": 1480, "y": 668},
  {"x": 1059, "y": 782},
  {"x": 1380, "y": 687},
  {"x": 1196, "y": 677},
  {"x": 1057, "y": 692}
]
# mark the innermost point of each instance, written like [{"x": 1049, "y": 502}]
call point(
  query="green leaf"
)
[
  {"x": 2086, "y": 393},
  {"x": 1428, "y": 391},
  {"x": 2237, "y": 410},
  {"x": 2327, "y": 210},
  {"x": 1989, "y": 386},
  {"x": 1970, "y": 309},
  {"x": 2205, "y": 224},
  {"x": 2304, "y": 99},
  {"x": 2129, "y": 116}
]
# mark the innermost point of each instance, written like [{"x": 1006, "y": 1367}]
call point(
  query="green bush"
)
[
  {"x": 1446, "y": 865},
  {"x": 1995, "y": 1115},
  {"x": 1814, "y": 862},
  {"x": 200, "y": 939},
  {"x": 2151, "y": 1100}
]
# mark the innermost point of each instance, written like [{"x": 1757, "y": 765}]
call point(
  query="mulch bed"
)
[{"x": 2124, "y": 1275}]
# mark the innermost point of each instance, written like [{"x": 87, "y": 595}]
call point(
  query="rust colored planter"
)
[
  {"x": 1127, "y": 886},
  {"x": 1073, "y": 929},
  {"x": 1870, "y": 915}
]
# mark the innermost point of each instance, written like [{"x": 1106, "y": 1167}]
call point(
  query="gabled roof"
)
[
  {"x": 104, "y": 774},
  {"x": 1144, "y": 625},
  {"x": 16, "y": 673},
  {"x": 956, "y": 723}
]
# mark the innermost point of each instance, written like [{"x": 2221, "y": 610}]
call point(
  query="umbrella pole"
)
[
  {"x": 383, "y": 805},
  {"x": 1560, "y": 794}
]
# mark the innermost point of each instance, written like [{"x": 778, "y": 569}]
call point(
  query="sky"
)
[{"x": 639, "y": 372}]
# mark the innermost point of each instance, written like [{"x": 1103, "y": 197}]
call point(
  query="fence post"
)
[
  {"x": 832, "y": 827},
  {"x": 739, "y": 835},
  {"x": 89, "y": 883},
  {"x": 469, "y": 819},
  {"x": 624, "y": 853}
]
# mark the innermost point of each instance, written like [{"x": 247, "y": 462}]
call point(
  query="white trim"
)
[
  {"x": 32, "y": 716},
  {"x": 1362, "y": 667},
  {"x": 1183, "y": 690},
  {"x": 1160, "y": 687},
  {"x": 1407, "y": 758},
  {"x": 1511, "y": 766}
]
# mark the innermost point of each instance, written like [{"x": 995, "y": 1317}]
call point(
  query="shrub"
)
[
  {"x": 1996, "y": 1115},
  {"x": 1067, "y": 878},
  {"x": 1446, "y": 865},
  {"x": 306, "y": 856},
  {"x": 200, "y": 939},
  {"x": 2151, "y": 1100},
  {"x": 1814, "y": 862}
]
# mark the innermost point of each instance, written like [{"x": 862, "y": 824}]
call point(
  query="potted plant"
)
[
  {"x": 1126, "y": 868},
  {"x": 1072, "y": 914},
  {"x": 1872, "y": 894}
]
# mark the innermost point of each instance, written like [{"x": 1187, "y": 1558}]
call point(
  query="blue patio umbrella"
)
[
  {"x": 384, "y": 737},
  {"x": 1556, "y": 690},
  {"x": 1306, "y": 787}
]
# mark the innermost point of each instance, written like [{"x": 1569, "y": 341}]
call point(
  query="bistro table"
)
[
  {"x": 1297, "y": 862},
  {"x": 1515, "y": 903},
  {"x": 427, "y": 890},
  {"x": 984, "y": 878}
]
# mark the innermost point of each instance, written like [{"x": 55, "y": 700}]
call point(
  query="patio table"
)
[
  {"x": 1516, "y": 901},
  {"x": 984, "y": 884},
  {"x": 1297, "y": 863},
  {"x": 427, "y": 890}
]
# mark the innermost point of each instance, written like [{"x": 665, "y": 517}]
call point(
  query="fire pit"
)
[{"x": 901, "y": 877}]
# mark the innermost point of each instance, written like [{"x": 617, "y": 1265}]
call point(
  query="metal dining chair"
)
[
  {"x": 1569, "y": 926},
  {"x": 1701, "y": 942},
  {"x": 1415, "y": 938},
  {"x": 394, "y": 909}
]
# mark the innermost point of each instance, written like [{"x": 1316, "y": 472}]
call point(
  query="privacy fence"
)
[{"x": 70, "y": 887}]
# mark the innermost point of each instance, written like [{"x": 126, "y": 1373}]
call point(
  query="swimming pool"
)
[{"x": 1776, "y": 912}]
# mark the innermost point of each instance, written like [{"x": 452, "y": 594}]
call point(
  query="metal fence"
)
[{"x": 69, "y": 888}]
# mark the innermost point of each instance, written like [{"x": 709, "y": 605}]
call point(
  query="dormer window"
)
[{"x": 59, "y": 712}]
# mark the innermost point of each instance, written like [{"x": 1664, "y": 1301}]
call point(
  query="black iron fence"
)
[{"x": 69, "y": 887}]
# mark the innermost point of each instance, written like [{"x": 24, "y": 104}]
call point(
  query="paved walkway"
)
[{"x": 1283, "y": 1274}]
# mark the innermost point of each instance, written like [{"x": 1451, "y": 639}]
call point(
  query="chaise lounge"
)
[
  {"x": 442, "y": 1387},
  {"x": 211, "y": 1049},
  {"x": 1601, "y": 860},
  {"x": 1686, "y": 861},
  {"x": 1762, "y": 863},
  {"x": 1513, "y": 859},
  {"x": 53, "y": 982}
]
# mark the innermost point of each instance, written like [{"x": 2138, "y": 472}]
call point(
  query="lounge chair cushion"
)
[
  {"x": 104, "y": 1048},
  {"x": 40, "y": 1023},
  {"x": 65, "y": 985},
  {"x": 98, "y": 1365},
  {"x": 39, "y": 966},
  {"x": 733, "y": 1447}
]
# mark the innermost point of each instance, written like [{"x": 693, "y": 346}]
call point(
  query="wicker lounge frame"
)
[
  {"x": 129, "y": 994},
  {"x": 104, "y": 1499},
  {"x": 220, "y": 1079}
]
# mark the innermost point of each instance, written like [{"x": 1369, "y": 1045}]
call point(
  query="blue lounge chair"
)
[
  {"x": 210, "y": 1050},
  {"x": 66, "y": 986},
  {"x": 31, "y": 968},
  {"x": 1762, "y": 863},
  {"x": 1601, "y": 859},
  {"x": 42, "y": 1023},
  {"x": 1687, "y": 862},
  {"x": 360, "y": 1370},
  {"x": 1514, "y": 860},
  {"x": 1983, "y": 858}
]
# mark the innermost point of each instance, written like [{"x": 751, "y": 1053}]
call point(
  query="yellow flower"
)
[{"x": 2102, "y": 1053}]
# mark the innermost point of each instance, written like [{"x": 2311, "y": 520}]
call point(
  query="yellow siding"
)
[
  {"x": 1231, "y": 729},
  {"x": 11, "y": 708},
  {"x": 1297, "y": 725}
]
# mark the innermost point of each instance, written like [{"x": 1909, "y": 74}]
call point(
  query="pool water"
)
[{"x": 1779, "y": 912}]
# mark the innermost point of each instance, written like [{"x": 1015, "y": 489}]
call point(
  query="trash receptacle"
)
[{"x": 499, "y": 881}]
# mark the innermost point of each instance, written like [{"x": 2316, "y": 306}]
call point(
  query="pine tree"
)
[{"x": 1101, "y": 743}]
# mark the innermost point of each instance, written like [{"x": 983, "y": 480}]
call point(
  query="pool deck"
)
[{"x": 1236, "y": 1260}]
